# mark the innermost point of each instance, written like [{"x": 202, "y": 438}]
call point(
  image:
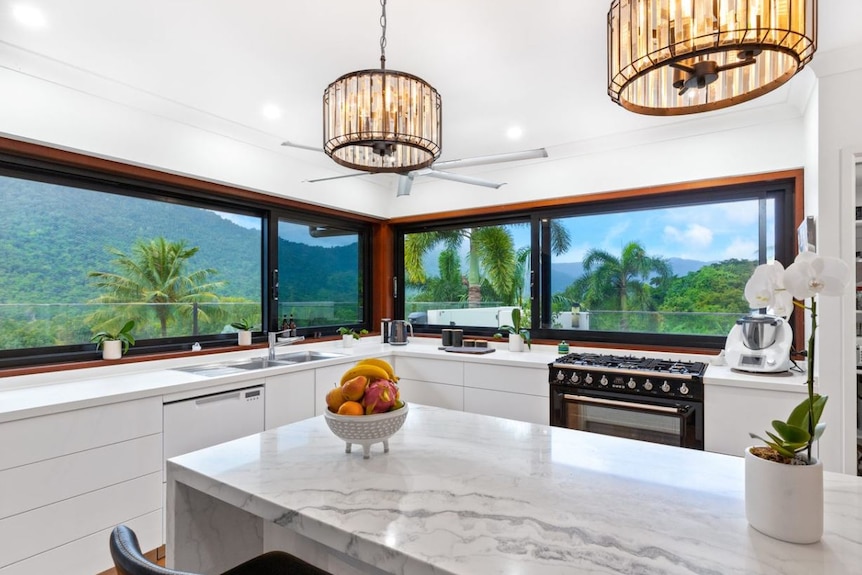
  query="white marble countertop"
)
[
  {"x": 466, "y": 494},
  {"x": 42, "y": 394}
]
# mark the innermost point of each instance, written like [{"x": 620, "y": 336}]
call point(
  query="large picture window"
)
[
  {"x": 665, "y": 270},
  {"x": 83, "y": 253}
]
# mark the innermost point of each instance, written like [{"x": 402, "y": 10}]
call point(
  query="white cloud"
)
[
  {"x": 740, "y": 249},
  {"x": 694, "y": 236}
]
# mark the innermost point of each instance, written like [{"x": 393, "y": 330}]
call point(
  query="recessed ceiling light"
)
[
  {"x": 514, "y": 133},
  {"x": 271, "y": 111},
  {"x": 29, "y": 16}
]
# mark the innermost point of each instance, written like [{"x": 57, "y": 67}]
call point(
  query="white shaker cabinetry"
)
[
  {"x": 290, "y": 397},
  {"x": 731, "y": 413},
  {"x": 68, "y": 478},
  {"x": 434, "y": 382},
  {"x": 519, "y": 393}
]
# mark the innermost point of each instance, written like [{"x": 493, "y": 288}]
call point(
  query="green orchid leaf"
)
[{"x": 791, "y": 433}]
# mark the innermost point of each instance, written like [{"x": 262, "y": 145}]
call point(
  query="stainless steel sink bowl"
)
[
  {"x": 235, "y": 367},
  {"x": 308, "y": 355}
]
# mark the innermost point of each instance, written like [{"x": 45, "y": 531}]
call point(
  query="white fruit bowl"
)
[{"x": 366, "y": 430}]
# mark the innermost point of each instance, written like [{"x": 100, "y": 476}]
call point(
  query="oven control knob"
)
[
  {"x": 575, "y": 378},
  {"x": 588, "y": 378},
  {"x": 684, "y": 389},
  {"x": 648, "y": 385},
  {"x": 665, "y": 387},
  {"x": 631, "y": 383},
  {"x": 603, "y": 380},
  {"x": 560, "y": 375}
]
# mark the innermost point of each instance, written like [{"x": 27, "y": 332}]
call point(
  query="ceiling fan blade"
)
[
  {"x": 335, "y": 178},
  {"x": 301, "y": 146},
  {"x": 463, "y": 179},
  {"x": 494, "y": 159},
  {"x": 405, "y": 182}
]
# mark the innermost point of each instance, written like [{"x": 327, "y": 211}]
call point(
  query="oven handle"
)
[{"x": 614, "y": 402}]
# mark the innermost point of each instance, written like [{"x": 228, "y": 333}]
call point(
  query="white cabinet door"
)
[
  {"x": 430, "y": 393},
  {"x": 289, "y": 398},
  {"x": 731, "y": 413},
  {"x": 517, "y": 406}
]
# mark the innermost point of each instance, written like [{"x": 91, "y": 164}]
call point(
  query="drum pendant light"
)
[
  {"x": 671, "y": 57},
  {"x": 382, "y": 120}
]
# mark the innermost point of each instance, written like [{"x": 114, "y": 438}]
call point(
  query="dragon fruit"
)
[{"x": 380, "y": 396}]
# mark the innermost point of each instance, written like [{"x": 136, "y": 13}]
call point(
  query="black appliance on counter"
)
[{"x": 652, "y": 400}]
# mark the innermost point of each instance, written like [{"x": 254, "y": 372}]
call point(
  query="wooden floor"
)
[{"x": 157, "y": 556}]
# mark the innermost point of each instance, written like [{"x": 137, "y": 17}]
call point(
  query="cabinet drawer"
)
[
  {"x": 438, "y": 371},
  {"x": 89, "y": 554},
  {"x": 529, "y": 381},
  {"x": 52, "y": 480},
  {"x": 430, "y": 393},
  {"x": 28, "y": 534},
  {"x": 29, "y": 440},
  {"x": 517, "y": 406}
]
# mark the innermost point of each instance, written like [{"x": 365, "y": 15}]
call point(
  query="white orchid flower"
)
[
  {"x": 811, "y": 274},
  {"x": 764, "y": 283}
]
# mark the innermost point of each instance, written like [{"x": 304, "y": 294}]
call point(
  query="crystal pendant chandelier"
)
[
  {"x": 671, "y": 57},
  {"x": 382, "y": 120}
]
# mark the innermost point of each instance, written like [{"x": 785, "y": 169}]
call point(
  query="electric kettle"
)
[{"x": 398, "y": 329}]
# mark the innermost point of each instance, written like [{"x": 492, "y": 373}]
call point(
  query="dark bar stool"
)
[{"x": 128, "y": 560}]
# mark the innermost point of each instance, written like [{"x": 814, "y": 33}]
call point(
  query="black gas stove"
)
[
  {"x": 641, "y": 398},
  {"x": 630, "y": 375}
]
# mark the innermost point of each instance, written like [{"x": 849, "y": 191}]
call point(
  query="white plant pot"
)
[
  {"x": 516, "y": 342},
  {"x": 112, "y": 349},
  {"x": 244, "y": 337},
  {"x": 347, "y": 340},
  {"x": 784, "y": 501}
]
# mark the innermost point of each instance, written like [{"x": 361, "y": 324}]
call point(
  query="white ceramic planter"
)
[
  {"x": 244, "y": 337},
  {"x": 347, "y": 340},
  {"x": 784, "y": 501},
  {"x": 112, "y": 349},
  {"x": 516, "y": 342}
]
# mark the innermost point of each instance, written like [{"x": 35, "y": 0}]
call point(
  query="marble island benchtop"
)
[
  {"x": 52, "y": 392},
  {"x": 467, "y": 494}
]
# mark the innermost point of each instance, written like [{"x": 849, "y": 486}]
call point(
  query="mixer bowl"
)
[{"x": 759, "y": 331}]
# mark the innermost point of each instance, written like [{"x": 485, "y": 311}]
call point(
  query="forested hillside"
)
[{"x": 46, "y": 260}]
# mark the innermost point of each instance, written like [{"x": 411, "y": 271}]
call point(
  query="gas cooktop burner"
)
[{"x": 630, "y": 363}]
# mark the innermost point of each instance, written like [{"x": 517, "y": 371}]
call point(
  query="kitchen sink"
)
[
  {"x": 233, "y": 368},
  {"x": 308, "y": 355}
]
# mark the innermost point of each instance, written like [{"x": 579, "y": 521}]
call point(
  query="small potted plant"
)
[
  {"x": 348, "y": 335},
  {"x": 518, "y": 336},
  {"x": 115, "y": 344},
  {"x": 244, "y": 327},
  {"x": 783, "y": 479}
]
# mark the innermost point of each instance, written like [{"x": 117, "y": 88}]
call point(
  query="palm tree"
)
[
  {"x": 156, "y": 273},
  {"x": 623, "y": 282},
  {"x": 491, "y": 256}
]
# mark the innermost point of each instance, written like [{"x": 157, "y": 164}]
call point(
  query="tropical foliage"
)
[{"x": 156, "y": 272}]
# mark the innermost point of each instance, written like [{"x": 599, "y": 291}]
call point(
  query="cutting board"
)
[{"x": 474, "y": 350}]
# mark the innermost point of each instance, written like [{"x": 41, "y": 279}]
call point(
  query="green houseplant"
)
[
  {"x": 244, "y": 327},
  {"x": 349, "y": 331},
  {"x": 115, "y": 344},
  {"x": 783, "y": 481},
  {"x": 516, "y": 329}
]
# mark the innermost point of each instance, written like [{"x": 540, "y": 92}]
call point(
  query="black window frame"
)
[
  {"x": 782, "y": 190},
  {"x": 93, "y": 179}
]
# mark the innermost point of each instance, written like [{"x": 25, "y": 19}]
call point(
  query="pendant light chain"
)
[{"x": 383, "y": 35}]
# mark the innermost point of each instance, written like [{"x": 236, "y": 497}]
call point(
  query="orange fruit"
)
[
  {"x": 351, "y": 408},
  {"x": 334, "y": 399}
]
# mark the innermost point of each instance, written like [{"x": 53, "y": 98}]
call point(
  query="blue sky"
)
[{"x": 707, "y": 232}]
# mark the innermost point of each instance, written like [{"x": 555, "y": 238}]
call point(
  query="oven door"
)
[{"x": 666, "y": 421}]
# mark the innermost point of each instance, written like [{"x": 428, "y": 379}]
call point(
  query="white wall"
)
[{"x": 839, "y": 131}]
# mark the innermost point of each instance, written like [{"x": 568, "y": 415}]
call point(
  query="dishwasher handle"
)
[
  {"x": 217, "y": 398},
  {"x": 243, "y": 394}
]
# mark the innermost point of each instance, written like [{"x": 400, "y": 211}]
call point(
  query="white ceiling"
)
[{"x": 214, "y": 64}]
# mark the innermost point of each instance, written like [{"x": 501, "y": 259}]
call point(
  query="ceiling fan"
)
[{"x": 435, "y": 170}]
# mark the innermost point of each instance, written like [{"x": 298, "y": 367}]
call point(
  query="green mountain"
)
[{"x": 51, "y": 236}]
